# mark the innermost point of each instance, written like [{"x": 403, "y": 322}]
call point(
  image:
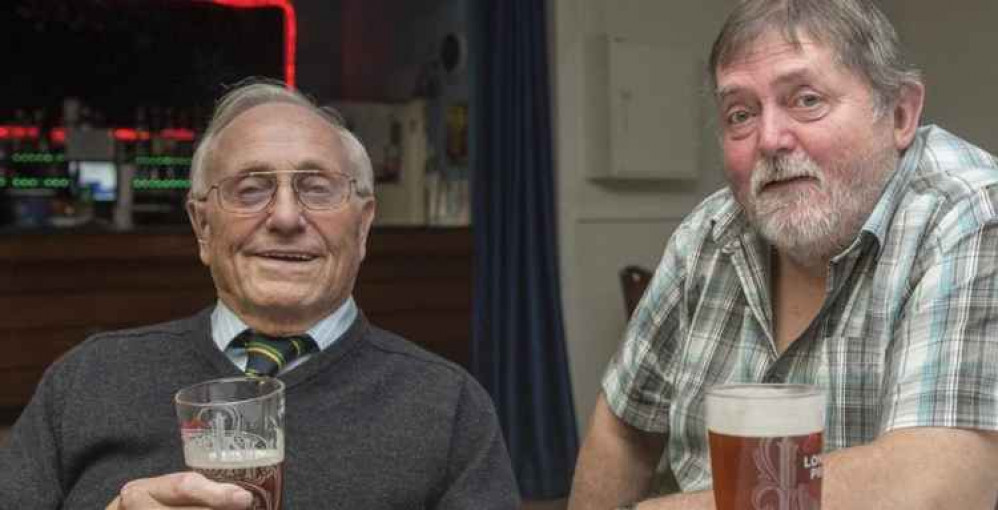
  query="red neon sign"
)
[
  {"x": 178, "y": 134},
  {"x": 18, "y": 132},
  {"x": 58, "y": 134},
  {"x": 129, "y": 134},
  {"x": 290, "y": 28}
]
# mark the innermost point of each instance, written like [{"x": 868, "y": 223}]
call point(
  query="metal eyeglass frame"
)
[{"x": 351, "y": 189}]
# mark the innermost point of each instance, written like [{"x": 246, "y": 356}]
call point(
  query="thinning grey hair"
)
[
  {"x": 857, "y": 31},
  {"x": 258, "y": 91}
]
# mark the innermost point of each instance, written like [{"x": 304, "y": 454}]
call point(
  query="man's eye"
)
[
  {"x": 738, "y": 117},
  {"x": 315, "y": 184},
  {"x": 808, "y": 100},
  {"x": 250, "y": 189},
  {"x": 252, "y": 185}
]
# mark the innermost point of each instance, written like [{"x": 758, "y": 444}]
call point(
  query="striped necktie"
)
[{"x": 267, "y": 355}]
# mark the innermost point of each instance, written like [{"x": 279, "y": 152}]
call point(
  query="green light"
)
[
  {"x": 38, "y": 157},
  {"x": 55, "y": 182},
  {"x": 162, "y": 161},
  {"x": 26, "y": 182},
  {"x": 36, "y": 182},
  {"x": 167, "y": 184}
]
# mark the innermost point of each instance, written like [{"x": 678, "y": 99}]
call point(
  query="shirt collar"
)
[
  {"x": 729, "y": 223},
  {"x": 226, "y": 325},
  {"x": 880, "y": 219}
]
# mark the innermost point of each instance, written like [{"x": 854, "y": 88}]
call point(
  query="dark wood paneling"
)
[
  {"x": 37, "y": 347},
  {"x": 58, "y": 288},
  {"x": 46, "y": 277},
  {"x": 100, "y": 308},
  {"x": 18, "y": 386}
]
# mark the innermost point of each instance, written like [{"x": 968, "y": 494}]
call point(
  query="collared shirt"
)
[
  {"x": 907, "y": 335},
  {"x": 226, "y": 326}
]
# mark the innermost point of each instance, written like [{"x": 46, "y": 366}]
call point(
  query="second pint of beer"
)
[{"x": 765, "y": 446}]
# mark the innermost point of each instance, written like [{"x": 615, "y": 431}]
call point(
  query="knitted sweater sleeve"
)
[
  {"x": 479, "y": 473},
  {"x": 29, "y": 460}
]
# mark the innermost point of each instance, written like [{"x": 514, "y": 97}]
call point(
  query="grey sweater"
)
[{"x": 372, "y": 422}]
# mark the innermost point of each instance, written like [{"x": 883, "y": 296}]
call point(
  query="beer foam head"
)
[
  {"x": 197, "y": 458},
  {"x": 765, "y": 410}
]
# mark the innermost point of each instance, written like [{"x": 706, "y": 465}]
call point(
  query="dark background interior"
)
[{"x": 116, "y": 55}]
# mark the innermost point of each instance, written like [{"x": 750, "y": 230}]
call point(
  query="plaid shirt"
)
[{"x": 907, "y": 335}]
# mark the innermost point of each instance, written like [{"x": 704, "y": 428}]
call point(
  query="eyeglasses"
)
[{"x": 253, "y": 192}]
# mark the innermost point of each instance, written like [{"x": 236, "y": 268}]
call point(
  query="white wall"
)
[
  {"x": 604, "y": 228},
  {"x": 954, "y": 44}
]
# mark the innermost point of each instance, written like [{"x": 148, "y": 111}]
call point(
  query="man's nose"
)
[
  {"x": 776, "y": 133},
  {"x": 285, "y": 210}
]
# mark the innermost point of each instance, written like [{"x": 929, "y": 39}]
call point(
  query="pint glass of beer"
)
[
  {"x": 765, "y": 446},
  {"x": 233, "y": 432}
]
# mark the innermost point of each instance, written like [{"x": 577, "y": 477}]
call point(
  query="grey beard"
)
[{"x": 811, "y": 226}]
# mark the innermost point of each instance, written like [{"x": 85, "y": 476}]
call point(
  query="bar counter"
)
[{"x": 58, "y": 287}]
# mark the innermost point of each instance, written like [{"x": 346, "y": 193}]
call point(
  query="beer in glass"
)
[
  {"x": 765, "y": 446},
  {"x": 233, "y": 432}
]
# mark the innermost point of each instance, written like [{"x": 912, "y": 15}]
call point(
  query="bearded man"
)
[{"x": 852, "y": 250}]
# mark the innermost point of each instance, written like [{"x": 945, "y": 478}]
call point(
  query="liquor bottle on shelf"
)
[
  {"x": 6, "y": 173},
  {"x": 46, "y": 167},
  {"x": 86, "y": 118},
  {"x": 156, "y": 142},
  {"x": 6, "y": 207},
  {"x": 19, "y": 133},
  {"x": 168, "y": 145},
  {"x": 4, "y": 163},
  {"x": 142, "y": 148},
  {"x": 122, "y": 217}
]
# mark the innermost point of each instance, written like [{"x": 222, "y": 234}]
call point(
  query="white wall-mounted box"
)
[{"x": 645, "y": 101}]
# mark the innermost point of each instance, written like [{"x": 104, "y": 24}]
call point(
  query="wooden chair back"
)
[{"x": 633, "y": 280}]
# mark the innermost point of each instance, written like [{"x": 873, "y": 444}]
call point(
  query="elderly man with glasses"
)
[{"x": 281, "y": 203}]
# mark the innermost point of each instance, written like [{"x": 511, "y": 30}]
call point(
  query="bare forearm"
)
[
  {"x": 602, "y": 483},
  {"x": 616, "y": 463},
  {"x": 690, "y": 501},
  {"x": 914, "y": 469}
]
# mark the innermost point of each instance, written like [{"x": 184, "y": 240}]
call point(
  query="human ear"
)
[
  {"x": 202, "y": 229},
  {"x": 366, "y": 219},
  {"x": 906, "y": 114}
]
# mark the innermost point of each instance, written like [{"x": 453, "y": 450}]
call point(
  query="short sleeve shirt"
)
[{"x": 907, "y": 335}]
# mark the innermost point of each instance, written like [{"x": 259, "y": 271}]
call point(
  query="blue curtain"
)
[{"x": 518, "y": 349}]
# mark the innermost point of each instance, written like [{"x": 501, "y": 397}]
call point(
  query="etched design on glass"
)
[
  {"x": 220, "y": 432},
  {"x": 778, "y": 487},
  {"x": 263, "y": 482},
  {"x": 232, "y": 454}
]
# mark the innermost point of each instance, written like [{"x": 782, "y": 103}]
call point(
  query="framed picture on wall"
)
[{"x": 457, "y": 135}]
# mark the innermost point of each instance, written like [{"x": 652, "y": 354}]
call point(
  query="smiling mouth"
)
[{"x": 295, "y": 257}]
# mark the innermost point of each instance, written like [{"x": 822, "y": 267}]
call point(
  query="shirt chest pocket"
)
[{"x": 852, "y": 374}]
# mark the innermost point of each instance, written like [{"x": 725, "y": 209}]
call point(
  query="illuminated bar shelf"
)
[{"x": 161, "y": 184}]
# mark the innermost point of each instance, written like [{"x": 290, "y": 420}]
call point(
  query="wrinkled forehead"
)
[
  {"x": 272, "y": 117},
  {"x": 274, "y": 125}
]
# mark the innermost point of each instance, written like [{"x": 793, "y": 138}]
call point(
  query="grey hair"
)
[
  {"x": 255, "y": 92},
  {"x": 858, "y": 32}
]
